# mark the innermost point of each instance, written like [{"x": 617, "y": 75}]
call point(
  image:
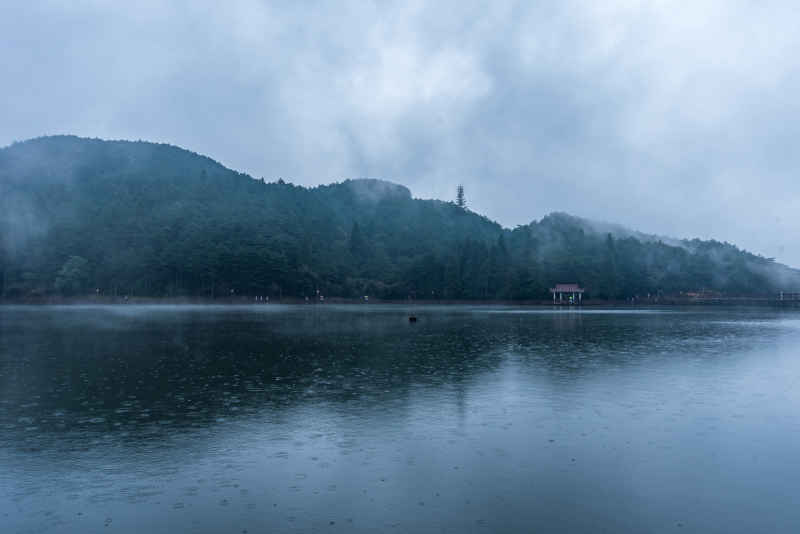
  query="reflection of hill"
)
[{"x": 71, "y": 372}]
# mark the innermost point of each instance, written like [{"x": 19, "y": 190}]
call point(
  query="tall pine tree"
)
[{"x": 461, "y": 202}]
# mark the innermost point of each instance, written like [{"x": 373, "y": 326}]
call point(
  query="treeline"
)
[{"x": 132, "y": 218}]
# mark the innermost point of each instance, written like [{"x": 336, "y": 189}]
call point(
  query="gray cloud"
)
[{"x": 674, "y": 118}]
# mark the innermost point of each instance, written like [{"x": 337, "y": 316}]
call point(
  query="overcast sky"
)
[{"x": 677, "y": 118}]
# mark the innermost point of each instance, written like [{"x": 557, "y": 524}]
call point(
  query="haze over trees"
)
[{"x": 84, "y": 215}]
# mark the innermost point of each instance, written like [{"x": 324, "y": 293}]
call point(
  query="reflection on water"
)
[{"x": 350, "y": 419}]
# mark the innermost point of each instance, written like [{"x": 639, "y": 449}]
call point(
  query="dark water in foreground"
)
[{"x": 350, "y": 419}]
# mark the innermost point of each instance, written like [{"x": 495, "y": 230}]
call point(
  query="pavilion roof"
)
[{"x": 567, "y": 288}]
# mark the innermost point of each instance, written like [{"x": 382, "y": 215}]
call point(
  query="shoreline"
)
[{"x": 249, "y": 301}]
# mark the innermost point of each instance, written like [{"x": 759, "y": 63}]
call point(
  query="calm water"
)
[{"x": 350, "y": 419}]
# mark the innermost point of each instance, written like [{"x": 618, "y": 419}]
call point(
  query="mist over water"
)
[{"x": 350, "y": 419}]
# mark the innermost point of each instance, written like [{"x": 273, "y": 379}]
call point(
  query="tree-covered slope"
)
[{"x": 77, "y": 215}]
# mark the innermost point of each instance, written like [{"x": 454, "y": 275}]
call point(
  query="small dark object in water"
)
[{"x": 412, "y": 319}]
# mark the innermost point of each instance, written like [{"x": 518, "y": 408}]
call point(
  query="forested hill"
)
[{"x": 137, "y": 218}]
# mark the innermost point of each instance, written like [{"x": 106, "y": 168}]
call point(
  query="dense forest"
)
[{"x": 82, "y": 216}]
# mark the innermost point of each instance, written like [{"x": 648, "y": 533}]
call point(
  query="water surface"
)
[{"x": 349, "y": 419}]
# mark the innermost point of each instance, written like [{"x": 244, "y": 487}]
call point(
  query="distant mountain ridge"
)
[
  {"x": 617, "y": 230},
  {"x": 80, "y": 215}
]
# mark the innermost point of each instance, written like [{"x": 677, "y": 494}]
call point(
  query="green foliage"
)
[
  {"x": 73, "y": 277},
  {"x": 146, "y": 219}
]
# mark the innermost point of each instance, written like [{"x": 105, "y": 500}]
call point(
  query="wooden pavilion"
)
[{"x": 574, "y": 292}]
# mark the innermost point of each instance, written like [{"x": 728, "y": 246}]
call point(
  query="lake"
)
[{"x": 324, "y": 418}]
